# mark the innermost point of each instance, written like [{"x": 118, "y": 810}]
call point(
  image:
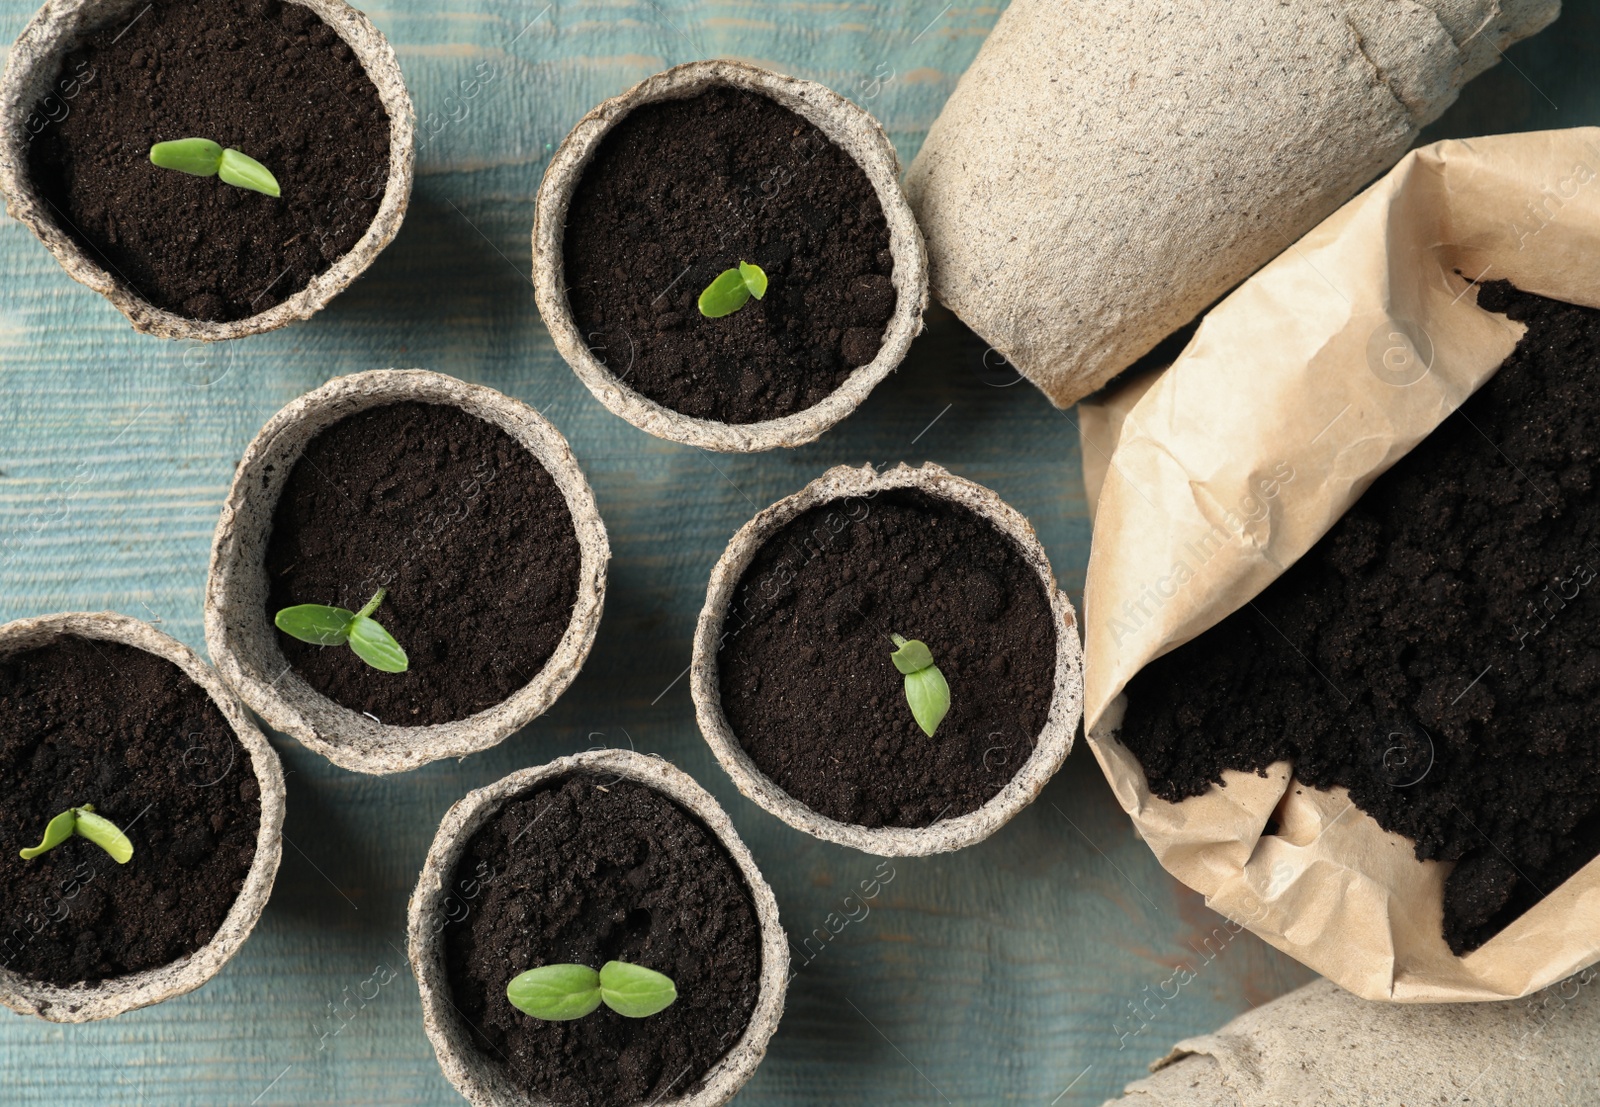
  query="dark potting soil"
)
[
  {"x": 1443, "y": 650},
  {"x": 267, "y": 78},
  {"x": 590, "y": 869},
  {"x": 809, "y": 689},
  {"x": 681, "y": 190},
  {"x": 103, "y": 724},
  {"x": 464, "y": 528}
]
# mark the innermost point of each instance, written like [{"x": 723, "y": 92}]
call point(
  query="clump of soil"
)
[
  {"x": 464, "y": 528},
  {"x": 590, "y": 869},
  {"x": 1437, "y": 652},
  {"x": 267, "y": 78},
  {"x": 681, "y": 190},
  {"x": 806, "y": 680},
  {"x": 100, "y": 723}
]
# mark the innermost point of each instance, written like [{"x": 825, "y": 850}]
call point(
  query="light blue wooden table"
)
[{"x": 1008, "y": 973}]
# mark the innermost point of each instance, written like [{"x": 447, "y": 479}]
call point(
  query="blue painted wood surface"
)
[{"x": 1035, "y": 968}]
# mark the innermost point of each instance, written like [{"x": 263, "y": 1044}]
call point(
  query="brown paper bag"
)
[
  {"x": 1321, "y": 1047},
  {"x": 1298, "y": 390},
  {"x": 1103, "y": 172}
]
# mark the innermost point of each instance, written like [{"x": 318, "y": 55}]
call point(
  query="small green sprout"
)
[
  {"x": 203, "y": 158},
  {"x": 732, "y": 289},
  {"x": 83, "y": 822},
  {"x": 926, "y": 690},
  {"x": 335, "y": 626},
  {"x": 557, "y": 993}
]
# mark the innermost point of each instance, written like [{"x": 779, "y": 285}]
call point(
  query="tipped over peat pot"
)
[
  {"x": 105, "y": 711},
  {"x": 793, "y": 684},
  {"x": 688, "y": 174},
  {"x": 1437, "y": 652},
  {"x": 309, "y": 88},
  {"x": 466, "y": 508},
  {"x": 599, "y": 856}
]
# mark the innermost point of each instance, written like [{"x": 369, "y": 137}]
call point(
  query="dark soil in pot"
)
[
  {"x": 585, "y": 870},
  {"x": 466, "y": 530},
  {"x": 806, "y": 680},
  {"x": 93, "y": 722},
  {"x": 681, "y": 190},
  {"x": 1438, "y": 651},
  {"x": 268, "y": 78}
]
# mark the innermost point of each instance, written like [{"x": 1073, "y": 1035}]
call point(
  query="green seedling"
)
[
  {"x": 557, "y": 993},
  {"x": 83, "y": 822},
  {"x": 732, "y": 290},
  {"x": 335, "y": 626},
  {"x": 926, "y": 690},
  {"x": 203, "y": 158}
]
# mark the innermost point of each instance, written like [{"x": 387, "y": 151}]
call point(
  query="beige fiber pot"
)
[
  {"x": 1053, "y": 742},
  {"x": 846, "y": 125},
  {"x": 31, "y": 71},
  {"x": 477, "y": 1076},
  {"x": 106, "y": 998},
  {"x": 243, "y": 641}
]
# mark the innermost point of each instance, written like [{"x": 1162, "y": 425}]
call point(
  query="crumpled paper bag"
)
[
  {"x": 1298, "y": 390},
  {"x": 1322, "y": 1047},
  {"x": 1104, "y": 171}
]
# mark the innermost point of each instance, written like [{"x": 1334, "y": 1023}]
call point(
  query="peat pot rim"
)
[
  {"x": 475, "y": 1076},
  {"x": 849, "y": 127},
  {"x": 1053, "y": 742},
  {"x": 116, "y": 995},
  {"x": 242, "y": 640},
  {"x": 30, "y": 71}
]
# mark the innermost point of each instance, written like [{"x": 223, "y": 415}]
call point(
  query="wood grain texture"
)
[{"x": 1034, "y": 968}]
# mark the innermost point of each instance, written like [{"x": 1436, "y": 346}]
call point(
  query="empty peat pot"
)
[
  {"x": 607, "y": 855},
  {"x": 308, "y": 88},
  {"x": 688, "y": 174},
  {"x": 794, "y": 685},
  {"x": 466, "y": 509},
  {"x": 102, "y": 711}
]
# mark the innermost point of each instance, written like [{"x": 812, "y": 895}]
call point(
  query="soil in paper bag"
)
[{"x": 1438, "y": 651}]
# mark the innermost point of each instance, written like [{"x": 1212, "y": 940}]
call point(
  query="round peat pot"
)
[
  {"x": 787, "y": 160},
  {"x": 562, "y": 816},
  {"x": 183, "y": 765},
  {"x": 440, "y": 493},
  {"x": 342, "y": 197},
  {"x": 810, "y": 594}
]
